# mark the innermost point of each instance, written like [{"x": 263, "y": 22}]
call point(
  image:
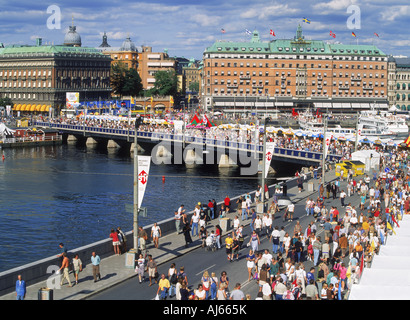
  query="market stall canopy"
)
[{"x": 387, "y": 279}]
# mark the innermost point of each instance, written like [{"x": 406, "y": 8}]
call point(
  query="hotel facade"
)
[{"x": 261, "y": 76}]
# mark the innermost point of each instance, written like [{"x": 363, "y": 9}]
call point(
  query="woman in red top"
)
[{"x": 115, "y": 242}]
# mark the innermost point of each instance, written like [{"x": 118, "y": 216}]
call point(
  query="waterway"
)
[{"x": 75, "y": 195}]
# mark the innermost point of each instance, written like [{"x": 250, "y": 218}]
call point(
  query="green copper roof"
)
[
  {"x": 297, "y": 45},
  {"x": 52, "y": 49}
]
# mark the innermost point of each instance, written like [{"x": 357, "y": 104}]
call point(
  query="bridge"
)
[{"x": 184, "y": 148}]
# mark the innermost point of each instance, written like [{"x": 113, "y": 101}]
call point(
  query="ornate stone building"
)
[
  {"x": 399, "y": 82},
  {"x": 38, "y": 77}
]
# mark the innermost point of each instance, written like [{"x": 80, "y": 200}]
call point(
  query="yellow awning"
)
[
  {"x": 38, "y": 107},
  {"x": 43, "y": 108},
  {"x": 18, "y": 107},
  {"x": 23, "y": 107},
  {"x": 28, "y": 107},
  {"x": 33, "y": 107}
]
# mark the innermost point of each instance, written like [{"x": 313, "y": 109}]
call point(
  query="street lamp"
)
[{"x": 138, "y": 121}]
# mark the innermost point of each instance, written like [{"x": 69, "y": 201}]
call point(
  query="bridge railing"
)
[{"x": 310, "y": 155}]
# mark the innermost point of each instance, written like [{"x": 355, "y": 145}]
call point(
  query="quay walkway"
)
[{"x": 113, "y": 269}]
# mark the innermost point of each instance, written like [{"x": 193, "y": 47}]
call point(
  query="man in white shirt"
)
[
  {"x": 275, "y": 238},
  {"x": 195, "y": 221},
  {"x": 290, "y": 210},
  {"x": 342, "y": 198},
  {"x": 267, "y": 256}
]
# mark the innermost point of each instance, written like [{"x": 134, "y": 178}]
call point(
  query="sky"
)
[{"x": 186, "y": 28}]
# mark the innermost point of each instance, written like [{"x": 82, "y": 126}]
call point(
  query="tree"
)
[
  {"x": 133, "y": 84},
  {"x": 124, "y": 81},
  {"x": 117, "y": 78},
  {"x": 166, "y": 84},
  {"x": 6, "y": 102},
  {"x": 194, "y": 86}
]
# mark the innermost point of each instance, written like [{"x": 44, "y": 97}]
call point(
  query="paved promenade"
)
[{"x": 113, "y": 270}]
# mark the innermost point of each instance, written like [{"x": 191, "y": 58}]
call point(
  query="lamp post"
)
[
  {"x": 324, "y": 151},
  {"x": 135, "y": 193}
]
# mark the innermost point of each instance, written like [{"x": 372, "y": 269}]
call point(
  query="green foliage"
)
[
  {"x": 6, "y": 102},
  {"x": 124, "y": 81},
  {"x": 166, "y": 84},
  {"x": 194, "y": 86}
]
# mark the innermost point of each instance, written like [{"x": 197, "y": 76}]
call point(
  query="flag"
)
[
  {"x": 306, "y": 20},
  {"x": 390, "y": 227},
  {"x": 381, "y": 237},
  {"x": 248, "y": 32},
  {"x": 294, "y": 113},
  {"x": 332, "y": 34},
  {"x": 354, "y": 34},
  {"x": 272, "y": 33},
  {"x": 394, "y": 220},
  {"x": 152, "y": 100},
  {"x": 223, "y": 30},
  {"x": 171, "y": 100},
  {"x": 407, "y": 141},
  {"x": 376, "y": 35},
  {"x": 132, "y": 100},
  {"x": 339, "y": 291}
]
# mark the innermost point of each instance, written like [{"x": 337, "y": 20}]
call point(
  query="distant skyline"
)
[{"x": 186, "y": 28}]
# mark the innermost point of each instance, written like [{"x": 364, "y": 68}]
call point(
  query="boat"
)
[
  {"x": 371, "y": 123},
  {"x": 390, "y": 124}
]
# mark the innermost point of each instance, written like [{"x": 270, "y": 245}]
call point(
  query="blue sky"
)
[{"x": 186, "y": 28}]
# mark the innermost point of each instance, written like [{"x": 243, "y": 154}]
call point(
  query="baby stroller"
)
[{"x": 210, "y": 243}]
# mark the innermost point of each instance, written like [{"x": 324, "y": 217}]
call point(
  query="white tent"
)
[
  {"x": 370, "y": 158},
  {"x": 389, "y": 277},
  {"x": 4, "y": 131}
]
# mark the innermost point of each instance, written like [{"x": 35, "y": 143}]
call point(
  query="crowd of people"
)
[
  {"x": 337, "y": 244},
  {"x": 233, "y": 134}
]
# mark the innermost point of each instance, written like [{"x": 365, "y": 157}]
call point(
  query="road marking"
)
[{"x": 201, "y": 272}]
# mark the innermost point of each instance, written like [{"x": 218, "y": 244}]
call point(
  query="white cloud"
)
[
  {"x": 334, "y": 5},
  {"x": 263, "y": 12},
  {"x": 205, "y": 20},
  {"x": 394, "y": 12}
]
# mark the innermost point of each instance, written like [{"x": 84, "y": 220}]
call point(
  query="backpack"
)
[{"x": 174, "y": 279}]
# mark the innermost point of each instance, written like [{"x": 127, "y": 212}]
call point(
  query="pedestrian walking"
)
[
  {"x": 155, "y": 234},
  {"x": 254, "y": 241},
  {"x": 250, "y": 263},
  {"x": 115, "y": 242},
  {"x": 187, "y": 234},
  {"x": 163, "y": 287},
  {"x": 140, "y": 268},
  {"x": 95, "y": 261},
  {"x": 77, "y": 267},
  {"x": 65, "y": 267},
  {"x": 237, "y": 293},
  {"x": 152, "y": 270},
  {"x": 63, "y": 249},
  {"x": 173, "y": 279},
  {"x": 124, "y": 239},
  {"x": 142, "y": 238},
  {"x": 177, "y": 218},
  {"x": 21, "y": 289}
]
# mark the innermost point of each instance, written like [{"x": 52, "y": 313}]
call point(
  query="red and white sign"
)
[
  {"x": 270, "y": 146},
  {"x": 328, "y": 137},
  {"x": 144, "y": 163}
]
